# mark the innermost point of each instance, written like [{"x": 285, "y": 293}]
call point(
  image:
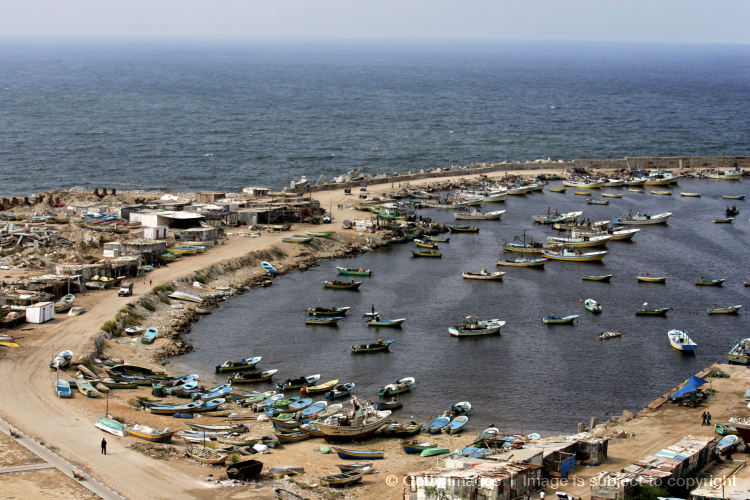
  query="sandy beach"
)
[{"x": 66, "y": 426}]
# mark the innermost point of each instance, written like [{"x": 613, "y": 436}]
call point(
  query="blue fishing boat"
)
[
  {"x": 300, "y": 403},
  {"x": 559, "y": 320},
  {"x": 680, "y": 341},
  {"x": 437, "y": 425},
  {"x": 314, "y": 408},
  {"x": 268, "y": 268},
  {"x": 456, "y": 425},
  {"x": 149, "y": 336},
  {"x": 349, "y": 454},
  {"x": 62, "y": 387},
  {"x": 340, "y": 391}
]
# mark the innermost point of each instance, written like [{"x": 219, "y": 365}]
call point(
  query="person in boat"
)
[
  {"x": 377, "y": 317},
  {"x": 380, "y": 341}
]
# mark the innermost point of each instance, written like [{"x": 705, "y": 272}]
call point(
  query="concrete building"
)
[
  {"x": 167, "y": 218},
  {"x": 112, "y": 249},
  {"x": 255, "y": 192},
  {"x": 155, "y": 233}
]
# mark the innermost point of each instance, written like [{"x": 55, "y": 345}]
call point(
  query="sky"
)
[{"x": 676, "y": 21}]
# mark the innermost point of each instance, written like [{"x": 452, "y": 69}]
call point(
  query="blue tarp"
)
[{"x": 690, "y": 386}]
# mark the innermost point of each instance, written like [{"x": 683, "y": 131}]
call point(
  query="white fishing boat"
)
[
  {"x": 681, "y": 341},
  {"x": 479, "y": 215},
  {"x": 579, "y": 240},
  {"x": 483, "y": 275},
  {"x": 76, "y": 310},
  {"x": 495, "y": 195},
  {"x": 583, "y": 184},
  {"x": 641, "y": 219},
  {"x": 570, "y": 255},
  {"x": 474, "y": 327},
  {"x": 723, "y": 175},
  {"x": 612, "y": 182},
  {"x": 189, "y": 297},
  {"x": 360, "y": 422}
]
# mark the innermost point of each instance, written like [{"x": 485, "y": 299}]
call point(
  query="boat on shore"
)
[
  {"x": 473, "y": 327},
  {"x": 359, "y": 423},
  {"x": 61, "y": 360},
  {"x": 411, "y": 447},
  {"x": 522, "y": 262},
  {"x": 681, "y": 341},
  {"x": 85, "y": 388},
  {"x": 297, "y": 238},
  {"x": 342, "y": 479},
  {"x": 483, "y": 275},
  {"x": 610, "y": 335},
  {"x": 151, "y": 434},
  {"x": 456, "y": 425},
  {"x": 569, "y": 255},
  {"x": 112, "y": 426},
  {"x": 62, "y": 388},
  {"x": 267, "y": 267},
  {"x": 601, "y": 277},
  {"x": 205, "y": 455},
  {"x": 559, "y": 320},
  {"x": 360, "y": 271},
  {"x": 342, "y": 285},
  {"x": 349, "y": 454},
  {"x": 724, "y": 309},
  {"x": 252, "y": 377},
  {"x": 149, "y": 336},
  {"x": 65, "y": 303}
]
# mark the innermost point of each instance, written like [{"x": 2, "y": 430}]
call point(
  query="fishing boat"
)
[
  {"x": 349, "y": 454},
  {"x": 601, "y": 277},
  {"x": 723, "y": 220},
  {"x": 391, "y": 404},
  {"x": 343, "y": 479},
  {"x": 426, "y": 253},
  {"x": 553, "y": 216},
  {"x": 438, "y": 239},
  {"x": 437, "y": 425},
  {"x": 732, "y": 211},
  {"x": 236, "y": 366},
  {"x": 610, "y": 335},
  {"x": 681, "y": 341},
  {"x": 522, "y": 245},
  {"x": 559, "y": 320},
  {"x": 522, "y": 262},
  {"x": 85, "y": 388},
  {"x": 635, "y": 190},
  {"x": 65, "y": 303},
  {"x": 621, "y": 234},
  {"x": 364, "y": 467},
  {"x": 400, "y": 386},
  {"x": 61, "y": 360},
  {"x": 434, "y": 451},
  {"x": 62, "y": 388},
  {"x": 705, "y": 282},
  {"x": 728, "y": 174},
  {"x": 740, "y": 352},
  {"x": 659, "y": 311},
  {"x": 583, "y": 184},
  {"x": 479, "y": 215},
  {"x": 312, "y": 389},
  {"x": 339, "y": 391},
  {"x": 643, "y": 219},
  {"x": 328, "y": 311},
  {"x": 323, "y": 320},
  {"x": 149, "y": 336},
  {"x": 726, "y": 443},
  {"x": 151, "y": 434},
  {"x": 460, "y": 408},
  {"x": 246, "y": 470},
  {"x": 725, "y": 429},
  {"x": 76, "y": 311},
  {"x": 557, "y": 190},
  {"x": 319, "y": 234},
  {"x": 298, "y": 383},
  {"x": 592, "y": 305},
  {"x": 568, "y": 255},
  {"x": 661, "y": 193},
  {"x": 267, "y": 267},
  {"x": 582, "y": 193},
  {"x": 483, "y": 275},
  {"x": 456, "y": 425},
  {"x": 592, "y": 201},
  {"x": 297, "y": 238},
  {"x": 385, "y": 323},
  {"x": 611, "y": 195},
  {"x": 651, "y": 279},
  {"x": 252, "y": 377},
  {"x": 473, "y": 326},
  {"x": 230, "y": 428},
  {"x": 724, "y": 310},
  {"x": 412, "y": 447},
  {"x": 379, "y": 346},
  {"x": 360, "y": 271},
  {"x": 111, "y": 426},
  {"x": 365, "y": 421},
  {"x": 291, "y": 437},
  {"x": 691, "y": 195},
  {"x": 426, "y": 244},
  {"x": 205, "y": 455},
  {"x": 463, "y": 229},
  {"x": 579, "y": 240},
  {"x": 192, "y": 407},
  {"x": 733, "y": 196},
  {"x": 342, "y": 285}
]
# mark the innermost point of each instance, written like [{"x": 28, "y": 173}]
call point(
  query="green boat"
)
[
  {"x": 316, "y": 234},
  {"x": 725, "y": 429},
  {"x": 297, "y": 239},
  {"x": 426, "y": 253},
  {"x": 354, "y": 272},
  {"x": 429, "y": 452}
]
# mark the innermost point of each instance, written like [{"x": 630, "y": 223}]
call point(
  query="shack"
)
[
  {"x": 168, "y": 218},
  {"x": 200, "y": 234},
  {"x": 40, "y": 312}
]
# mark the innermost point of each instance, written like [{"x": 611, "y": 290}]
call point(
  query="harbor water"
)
[{"x": 532, "y": 377}]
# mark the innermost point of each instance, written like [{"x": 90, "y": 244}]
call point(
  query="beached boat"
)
[
  {"x": 726, "y": 443},
  {"x": 610, "y": 335},
  {"x": 65, "y": 303},
  {"x": 247, "y": 470},
  {"x": 364, "y": 467},
  {"x": 437, "y": 425},
  {"x": 733, "y": 196},
  {"x": 706, "y": 282},
  {"x": 659, "y": 311},
  {"x": 473, "y": 327},
  {"x": 412, "y": 447},
  {"x": 728, "y": 174},
  {"x": 151, "y": 434},
  {"x": 62, "y": 388},
  {"x": 339, "y": 391},
  {"x": 342, "y": 285},
  {"x": 434, "y": 451},
  {"x": 559, "y": 320},
  {"x": 319, "y": 234},
  {"x": 343, "y": 479},
  {"x": 349, "y": 454},
  {"x": 611, "y": 195},
  {"x": 149, "y": 336},
  {"x": 379, "y": 346},
  {"x": 400, "y": 386},
  {"x": 298, "y": 383},
  {"x": 463, "y": 229},
  {"x": 569, "y": 255},
  {"x": 205, "y": 455},
  {"x": 297, "y": 238},
  {"x": 724, "y": 309},
  {"x": 723, "y": 220},
  {"x": 456, "y": 425},
  {"x": 236, "y": 366},
  {"x": 651, "y": 279},
  {"x": 267, "y": 267},
  {"x": 85, "y": 388},
  {"x": 291, "y": 437},
  {"x": 681, "y": 341},
  {"x": 740, "y": 352},
  {"x": 76, "y": 311},
  {"x": 366, "y": 421},
  {"x": 359, "y": 271},
  {"x": 592, "y": 201},
  {"x": 640, "y": 219},
  {"x": 252, "y": 377},
  {"x": 600, "y": 277},
  {"x": 187, "y": 297},
  {"x": 479, "y": 215},
  {"x": 111, "y": 426},
  {"x": 323, "y": 320},
  {"x": 691, "y": 195},
  {"x": 579, "y": 241},
  {"x": 323, "y": 387},
  {"x": 483, "y": 275},
  {"x": 61, "y": 360},
  {"x": 522, "y": 262},
  {"x": 385, "y": 323},
  {"x": 592, "y": 305},
  {"x": 725, "y": 429}
]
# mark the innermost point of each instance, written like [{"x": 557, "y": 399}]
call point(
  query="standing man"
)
[
  {"x": 104, "y": 446},
  {"x": 703, "y": 418},
  {"x": 708, "y": 418}
]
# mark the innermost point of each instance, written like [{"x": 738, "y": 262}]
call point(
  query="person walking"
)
[
  {"x": 708, "y": 418},
  {"x": 104, "y": 446},
  {"x": 703, "y": 418}
]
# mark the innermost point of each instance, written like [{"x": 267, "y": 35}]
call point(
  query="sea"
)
[{"x": 181, "y": 115}]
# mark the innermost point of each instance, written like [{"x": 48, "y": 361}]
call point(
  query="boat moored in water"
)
[{"x": 681, "y": 341}]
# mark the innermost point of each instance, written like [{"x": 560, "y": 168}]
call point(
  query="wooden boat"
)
[
  {"x": 312, "y": 389},
  {"x": 705, "y": 282},
  {"x": 359, "y": 466},
  {"x": 246, "y": 470},
  {"x": 364, "y": 420},
  {"x": 681, "y": 341},
  {"x": 339, "y": 391},
  {"x": 319, "y": 234},
  {"x": 734, "y": 196},
  {"x": 557, "y": 190},
  {"x": 85, "y": 388},
  {"x": 111, "y": 426},
  {"x": 6, "y": 343},
  {"x": 323, "y": 320},
  {"x": 727, "y": 220},
  {"x": 236, "y": 366},
  {"x": 76, "y": 311},
  {"x": 426, "y": 253},
  {"x": 522, "y": 245},
  {"x": 151, "y": 434},
  {"x": 205, "y": 455},
  {"x": 192, "y": 407},
  {"x": 662, "y": 193},
  {"x": 283, "y": 494},
  {"x": 622, "y": 234},
  {"x": 643, "y": 219},
  {"x": 725, "y": 429},
  {"x": 592, "y": 305},
  {"x": 392, "y": 404},
  {"x": 131, "y": 369},
  {"x": 252, "y": 377},
  {"x": 456, "y": 425},
  {"x": 522, "y": 262},
  {"x": 354, "y": 271},
  {"x": 582, "y": 193},
  {"x": 651, "y": 279},
  {"x": 461, "y": 408},
  {"x": 438, "y": 239},
  {"x": 724, "y": 310},
  {"x": 342, "y": 285},
  {"x": 230, "y": 428},
  {"x": 579, "y": 241},
  {"x": 556, "y": 320},
  {"x": 658, "y": 182},
  {"x": 483, "y": 275},
  {"x": 568, "y": 255},
  {"x": 297, "y": 238},
  {"x": 434, "y": 451},
  {"x": 349, "y": 454},
  {"x": 463, "y": 229},
  {"x": 379, "y": 346},
  {"x": 62, "y": 388},
  {"x": 268, "y": 268},
  {"x": 635, "y": 190},
  {"x": 659, "y": 311},
  {"x": 602, "y": 277},
  {"x": 188, "y": 297},
  {"x": 386, "y": 323},
  {"x": 297, "y": 383},
  {"x": 403, "y": 430},
  {"x": 609, "y": 335},
  {"x": 740, "y": 352},
  {"x": 691, "y": 195},
  {"x": 328, "y": 311},
  {"x": 591, "y": 201},
  {"x": 343, "y": 479},
  {"x": 583, "y": 184},
  {"x": 65, "y": 303},
  {"x": 479, "y": 215},
  {"x": 437, "y": 425},
  {"x": 400, "y": 386},
  {"x": 412, "y": 447},
  {"x": 473, "y": 327},
  {"x": 149, "y": 336},
  {"x": 732, "y": 211},
  {"x": 553, "y": 216},
  {"x": 425, "y": 244},
  {"x": 723, "y": 175},
  {"x": 726, "y": 443},
  {"x": 611, "y": 195},
  {"x": 291, "y": 437}
]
